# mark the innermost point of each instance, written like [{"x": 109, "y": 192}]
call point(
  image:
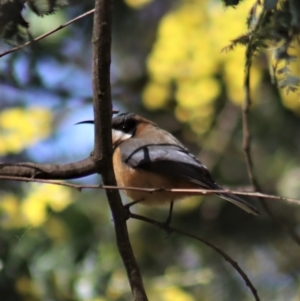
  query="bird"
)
[{"x": 146, "y": 156}]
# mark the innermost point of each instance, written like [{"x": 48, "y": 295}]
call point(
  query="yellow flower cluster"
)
[
  {"x": 22, "y": 127},
  {"x": 34, "y": 206},
  {"x": 32, "y": 210},
  {"x": 187, "y": 57},
  {"x": 137, "y": 3}
]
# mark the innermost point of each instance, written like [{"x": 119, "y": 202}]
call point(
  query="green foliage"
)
[
  {"x": 231, "y": 2},
  {"x": 13, "y": 28},
  {"x": 273, "y": 26}
]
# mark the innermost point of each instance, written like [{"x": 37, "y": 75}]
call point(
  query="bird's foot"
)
[
  {"x": 166, "y": 224},
  {"x": 128, "y": 206},
  {"x": 127, "y": 213}
]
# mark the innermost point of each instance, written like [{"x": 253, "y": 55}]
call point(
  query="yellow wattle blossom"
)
[
  {"x": 187, "y": 57},
  {"x": 34, "y": 206},
  {"x": 11, "y": 216},
  {"x": 56, "y": 229},
  {"x": 291, "y": 100},
  {"x": 32, "y": 210},
  {"x": 156, "y": 95},
  {"x": 198, "y": 93},
  {"x": 21, "y": 127},
  {"x": 174, "y": 293},
  {"x": 137, "y": 3},
  {"x": 25, "y": 286}
]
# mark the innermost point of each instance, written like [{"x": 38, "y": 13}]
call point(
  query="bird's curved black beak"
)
[
  {"x": 85, "y": 121},
  {"x": 92, "y": 121}
]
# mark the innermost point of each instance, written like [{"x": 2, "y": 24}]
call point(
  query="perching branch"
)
[
  {"x": 152, "y": 190},
  {"x": 103, "y": 142},
  {"x": 233, "y": 263}
]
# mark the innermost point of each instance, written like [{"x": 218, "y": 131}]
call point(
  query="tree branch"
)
[
  {"x": 103, "y": 141},
  {"x": 75, "y": 170},
  {"x": 151, "y": 190},
  {"x": 248, "y": 156},
  {"x": 47, "y": 33},
  {"x": 246, "y": 130},
  {"x": 233, "y": 263}
]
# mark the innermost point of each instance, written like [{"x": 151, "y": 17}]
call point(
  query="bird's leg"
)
[
  {"x": 133, "y": 203},
  {"x": 168, "y": 220},
  {"x": 127, "y": 207}
]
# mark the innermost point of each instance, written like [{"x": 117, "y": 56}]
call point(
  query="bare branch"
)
[
  {"x": 216, "y": 143},
  {"x": 233, "y": 263},
  {"x": 47, "y": 34},
  {"x": 246, "y": 130},
  {"x": 248, "y": 156},
  {"x": 152, "y": 190},
  {"x": 75, "y": 170}
]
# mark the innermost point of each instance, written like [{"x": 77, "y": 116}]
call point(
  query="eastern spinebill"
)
[{"x": 146, "y": 156}]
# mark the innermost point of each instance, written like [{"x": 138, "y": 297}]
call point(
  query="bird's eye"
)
[{"x": 128, "y": 126}]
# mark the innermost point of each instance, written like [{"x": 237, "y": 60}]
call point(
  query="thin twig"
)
[
  {"x": 233, "y": 263},
  {"x": 47, "y": 34},
  {"x": 153, "y": 190},
  {"x": 246, "y": 130},
  {"x": 248, "y": 156},
  {"x": 219, "y": 137}
]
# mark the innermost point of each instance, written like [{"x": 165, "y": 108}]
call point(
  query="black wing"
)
[
  {"x": 167, "y": 159},
  {"x": 175, "y": 161}
]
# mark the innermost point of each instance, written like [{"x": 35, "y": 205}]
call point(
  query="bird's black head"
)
[
  {"x": 125, "y": 122},
  {"x": 124, "y": 126}
]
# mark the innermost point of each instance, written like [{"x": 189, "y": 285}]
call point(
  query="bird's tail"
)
[{"x": 239, "y": 202}]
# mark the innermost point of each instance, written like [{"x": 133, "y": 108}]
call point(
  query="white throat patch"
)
[{"x": 119, "y": 136}]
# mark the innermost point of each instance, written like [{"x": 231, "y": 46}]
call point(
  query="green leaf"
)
[
  {"x": 270, "y": 4},
  {"x": 231, "y": 2},
  {"x": 283, "y": 70},
  {"x": 295, "y": 12}
]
